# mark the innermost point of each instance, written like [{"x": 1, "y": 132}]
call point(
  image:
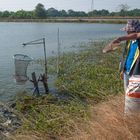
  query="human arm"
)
[
  {"x": 132, "y": 36},
  {"x": 116, "y": 42}
]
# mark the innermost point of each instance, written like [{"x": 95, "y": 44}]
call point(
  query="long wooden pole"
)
[
  {"x": 45, "y": 76},
  {"x": 58, "y": 52},
  {"x": 45, "y": 56}
]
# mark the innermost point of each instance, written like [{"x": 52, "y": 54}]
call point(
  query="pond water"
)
[{"x": 12, "y": 35}]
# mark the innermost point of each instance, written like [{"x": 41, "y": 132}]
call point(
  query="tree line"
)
[{"x": 40, "y": 13}]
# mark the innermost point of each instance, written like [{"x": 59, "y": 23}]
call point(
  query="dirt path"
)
[{"x": 109, "y": 122}]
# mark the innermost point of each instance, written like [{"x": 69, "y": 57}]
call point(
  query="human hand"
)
[{"x": 111, "y": 47}]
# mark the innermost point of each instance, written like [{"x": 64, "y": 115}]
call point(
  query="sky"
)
[{"x": 76, "y": 5}]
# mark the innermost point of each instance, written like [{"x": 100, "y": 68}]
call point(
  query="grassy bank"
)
[
  {"x": 86, "y": 77},
  {"x": 70, "y": 20},
  {"x": 90, "y": 74}
]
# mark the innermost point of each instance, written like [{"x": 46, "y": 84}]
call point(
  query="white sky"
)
[{"x": 77, "y": 5}]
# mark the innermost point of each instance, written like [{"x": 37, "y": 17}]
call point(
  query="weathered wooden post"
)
[
  {"x": 45, "y": 83},
  {"x": 45, "y": 75},
  {"x": 35, "y": 82},
  {"x": 58, "y": 53}
]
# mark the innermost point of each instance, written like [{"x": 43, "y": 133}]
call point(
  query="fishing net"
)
[{"x": 21, "y": 63}]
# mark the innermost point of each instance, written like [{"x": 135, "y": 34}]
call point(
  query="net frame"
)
[{"x": 21, "y": 62}]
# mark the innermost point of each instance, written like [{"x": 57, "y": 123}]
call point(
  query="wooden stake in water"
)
[
  {"x": 58, "y": 53},
  {"x": 35, "y": 82}
]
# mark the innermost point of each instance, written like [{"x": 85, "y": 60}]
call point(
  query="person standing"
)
[{"x": 132, "y": 50}]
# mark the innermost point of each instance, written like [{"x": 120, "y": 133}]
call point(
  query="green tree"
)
[
  {"x": 0, "y": 14},
  {"x": 52, "y": 12},
  {"x": 104, "y": 12},
  {"x": 6, "y": 14},
  {"x": 40, "y": 11},
  {"x": 63, "y": 13},
  {"x": 134, "y": 12},
  {"x": 21, "y": 14},
  {"x": 30, "y": 14},
  {"x": 81, "y": 14},
  {"x": 71, "y": 13}
]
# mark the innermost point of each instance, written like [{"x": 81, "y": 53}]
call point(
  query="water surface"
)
[{"x": 14, "y": 34}]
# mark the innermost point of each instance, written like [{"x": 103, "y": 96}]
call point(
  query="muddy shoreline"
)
[{"x": 10, "y": 121}]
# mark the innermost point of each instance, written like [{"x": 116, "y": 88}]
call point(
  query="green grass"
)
[
  {"x": 52, "y": 116},
  {"x": 85, "y": 78},
  {"x": 90, "y": 74}
]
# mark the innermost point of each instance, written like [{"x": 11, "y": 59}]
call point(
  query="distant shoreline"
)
[{"x": 113, "y": 20}]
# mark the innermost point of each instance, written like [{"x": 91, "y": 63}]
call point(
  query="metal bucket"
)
[{"x": 132, "y": 95}]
